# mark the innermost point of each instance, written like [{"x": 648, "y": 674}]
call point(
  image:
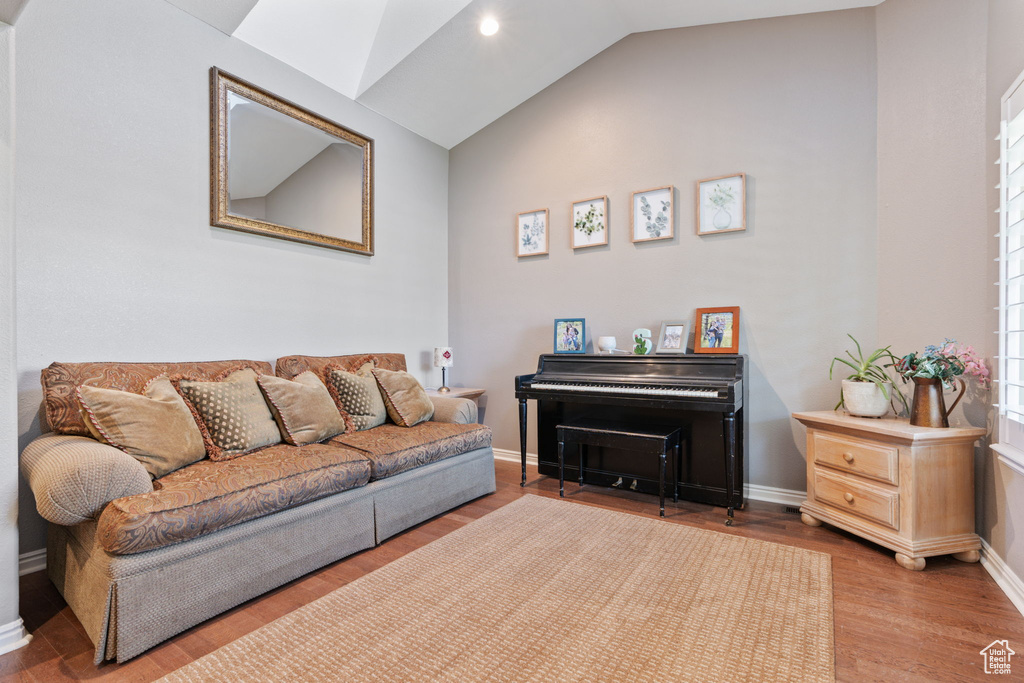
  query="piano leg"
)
[
  {"x": 661, "y": 483},
  {"x": 581, "y": 450},
  {"x": 676, "y": 466},
  {"x": 561, "y": 469},
  {"x": 729, "y": 430},
  {"x": 522, "y": 437}
]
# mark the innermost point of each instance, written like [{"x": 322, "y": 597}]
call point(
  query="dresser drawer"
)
[
  {"x": 858, "y": 497},
  {"x": 859, "y": 457}
]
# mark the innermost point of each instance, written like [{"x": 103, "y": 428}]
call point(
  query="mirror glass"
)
[{"x": 284, "y": 171}]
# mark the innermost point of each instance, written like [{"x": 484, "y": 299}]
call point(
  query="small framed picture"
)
[
  {"x": 589, "y": 220},
  {"x": 718, "y": 330},
  {"x": 532, "y": 233},
  {"x": 570, "y": 335},
  {"x": 722, "y": 204},
  {"x": 652, "y": 217},
  {"x": 673, "y": 337}
]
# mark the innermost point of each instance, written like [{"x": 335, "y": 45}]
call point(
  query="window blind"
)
[{"x": 1011, "y": 253}]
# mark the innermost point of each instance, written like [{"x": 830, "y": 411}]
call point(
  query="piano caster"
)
[
  {"x": 618, "y": 483},
  {"x": 729, "y": 518},
  {"x": 632, "y": 487}
]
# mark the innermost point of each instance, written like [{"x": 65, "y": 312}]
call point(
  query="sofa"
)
[{"x": 139, "y": 560}]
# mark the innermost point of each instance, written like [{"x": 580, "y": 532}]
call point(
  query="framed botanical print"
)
[
  {"x": 652, "y": 216},
  {"x": 717, "y": 331},
  {"x": 673, "y": 337},
  {"x": 722, "y": 204},
  {"x": 570, "y": 335},
  {"x": 589, "y": 219},
  {"x": 532, "y": 233}
]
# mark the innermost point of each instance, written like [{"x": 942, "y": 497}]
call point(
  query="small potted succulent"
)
[{"x": 868, "y": 390}]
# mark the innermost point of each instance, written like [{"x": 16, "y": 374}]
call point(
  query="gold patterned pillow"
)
[
  {"x": 303, "y": 407},
  {"x": 406, "y": 401},
  {"x": 232, "y": 414},
  {"x": 356, "y": 394},
  {"x": 156, "y": 427}
]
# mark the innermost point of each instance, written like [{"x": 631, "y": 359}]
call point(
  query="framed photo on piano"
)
[
  {"x": 717, "y": 330},
  {"x": 673, "y": 337},
  {"x": 570, "y": 335}
]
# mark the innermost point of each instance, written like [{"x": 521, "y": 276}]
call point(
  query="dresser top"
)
[{"x": 895, "y": 428}]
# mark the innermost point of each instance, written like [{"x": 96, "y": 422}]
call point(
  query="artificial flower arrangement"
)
[{"x": 944, "y": 362}]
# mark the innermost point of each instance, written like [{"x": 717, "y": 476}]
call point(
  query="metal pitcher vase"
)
[{"x": 929, "y": 407}]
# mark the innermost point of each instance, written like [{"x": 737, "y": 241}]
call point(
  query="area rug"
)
[{"x": 549, "y": 590}]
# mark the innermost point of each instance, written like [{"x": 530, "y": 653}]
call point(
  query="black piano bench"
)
[{"x": 654, "y": 441}]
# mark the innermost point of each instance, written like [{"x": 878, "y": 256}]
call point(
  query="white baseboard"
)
[
  {"x": 767, "y": 494},
  {"x": 32, "y": 561},
  {"x": 13, "y": 636},
  {"x": 1005, "y": 578}
]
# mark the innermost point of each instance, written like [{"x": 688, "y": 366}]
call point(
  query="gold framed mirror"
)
[{"x": 280, "y": 170}]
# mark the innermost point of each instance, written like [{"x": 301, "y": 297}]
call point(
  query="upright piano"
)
[{"x": 703, "y": 394}]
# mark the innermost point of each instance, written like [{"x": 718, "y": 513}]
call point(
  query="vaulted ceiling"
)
[{"x": 425, "y": 64}]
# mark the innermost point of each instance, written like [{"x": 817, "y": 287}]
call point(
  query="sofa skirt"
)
[{"x": 129, "y": 603}]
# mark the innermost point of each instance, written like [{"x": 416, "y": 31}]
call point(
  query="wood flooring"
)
[{"x": 890, "y": 624}]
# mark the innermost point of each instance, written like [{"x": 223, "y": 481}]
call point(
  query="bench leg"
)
[
  {"x": 661, "y": 484},
  {"x": 561, "y": 469}
]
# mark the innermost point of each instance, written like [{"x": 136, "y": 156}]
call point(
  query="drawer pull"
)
[
  {"x": 848, "y": 457},
  {"x": 848, "y": 497}
]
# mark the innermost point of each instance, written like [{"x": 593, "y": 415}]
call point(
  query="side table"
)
[
  {"x": 910, "y": 489},
  {"x": 460, "y": 392}
]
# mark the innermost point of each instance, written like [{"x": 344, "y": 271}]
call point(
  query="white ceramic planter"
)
[{"x": 864, "y": 399}]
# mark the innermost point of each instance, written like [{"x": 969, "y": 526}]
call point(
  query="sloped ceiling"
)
[{"x": 424, "y": 63}]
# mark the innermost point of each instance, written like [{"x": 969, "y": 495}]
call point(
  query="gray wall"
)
[
  {"x": 116, "y": 256},
  {"x": 790, "y": 102},
  {"x": 324, "y": 195}
]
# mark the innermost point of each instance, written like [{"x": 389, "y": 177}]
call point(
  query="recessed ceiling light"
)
[{"x": 489, "y": 26}]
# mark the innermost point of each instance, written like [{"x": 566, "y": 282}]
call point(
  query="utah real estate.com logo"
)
[{"x": 997, "y": 657}]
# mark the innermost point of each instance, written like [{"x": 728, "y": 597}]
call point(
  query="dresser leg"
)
[
  {"x": 914, "y": 564},
  {"x": 808, "y": 520},
  {"x": 968, "y": 556}
]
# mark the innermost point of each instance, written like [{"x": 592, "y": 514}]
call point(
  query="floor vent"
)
[{"x": 792, "y": 510}]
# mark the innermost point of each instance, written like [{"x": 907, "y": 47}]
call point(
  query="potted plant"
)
[
  {"x": 868, "y": 390},
  {"x": 938, "y": 368}
]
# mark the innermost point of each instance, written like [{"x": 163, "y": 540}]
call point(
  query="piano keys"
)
[{"x": 701, "y": 394}]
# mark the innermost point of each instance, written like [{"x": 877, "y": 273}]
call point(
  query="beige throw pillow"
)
[
  {"x": 233, "y": 414},
  {"x": 406, "y": 401},
  {"x": 358, "y": 395},
  {"x": 303, "y": 408},
  {"x": 156, "y": 427}
]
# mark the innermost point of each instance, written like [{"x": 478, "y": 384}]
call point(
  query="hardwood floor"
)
[{"x": 890, "y": 624}]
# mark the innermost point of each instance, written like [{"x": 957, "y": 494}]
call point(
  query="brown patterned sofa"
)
[{"x": 139, "y": 561}]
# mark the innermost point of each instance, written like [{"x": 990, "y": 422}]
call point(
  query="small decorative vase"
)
[
  {"x": 606, "y": 344},
  {"x": 722, "y": 219},
  {"x": 929, "y": 407},
  {"x": 864, "y": 399}
]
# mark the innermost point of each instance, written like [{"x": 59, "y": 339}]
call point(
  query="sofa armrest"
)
[
  {"x": 74, "y": 477},
  {"x": 454, "y": 409}
]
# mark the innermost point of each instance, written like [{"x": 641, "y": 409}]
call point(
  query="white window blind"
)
[{"x": 1011, "y": 265}]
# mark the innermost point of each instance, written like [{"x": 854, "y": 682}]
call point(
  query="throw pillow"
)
[
  {"x": 303, "y": 408},
  {"x": 232, "y": 414},
  {"x": 357, "y": 395},
  {"x": 156, "y": 427},
  {"x": 406, "y": 401}
]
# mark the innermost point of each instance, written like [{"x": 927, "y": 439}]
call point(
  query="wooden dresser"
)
[{"x": 910, "y": 489}]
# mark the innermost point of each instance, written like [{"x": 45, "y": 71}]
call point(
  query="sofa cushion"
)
[
  {"x": 303, "y": 408},
  {"x": 393, "y": 449},
  {"x": 61, "y": 380},
  {"x": 357, "y": 394},
  {"x": 156, "y": 428},
  {"x": 207, "y": 496},
  {"x": 232, "y": 415},
  {"x": 406, "y": 401},
  {"x": 290, "y": 366}
]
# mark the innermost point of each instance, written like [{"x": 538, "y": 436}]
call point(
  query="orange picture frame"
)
[{"x": 714, "y": 328}]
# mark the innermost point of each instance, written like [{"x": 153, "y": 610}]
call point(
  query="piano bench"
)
[{"x": 646, "y": 440}]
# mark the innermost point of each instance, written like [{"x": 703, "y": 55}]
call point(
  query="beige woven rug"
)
[{"x": 548, "y": 590}]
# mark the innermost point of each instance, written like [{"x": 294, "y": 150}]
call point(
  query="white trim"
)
[
  {"x": 1005, "y": 578},
  {"x": 13, "y": 636},
  {"x": 767, "y": 494},
  {"x": 32, "y": 561},
  {"x": 1010, "y": 456}
]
